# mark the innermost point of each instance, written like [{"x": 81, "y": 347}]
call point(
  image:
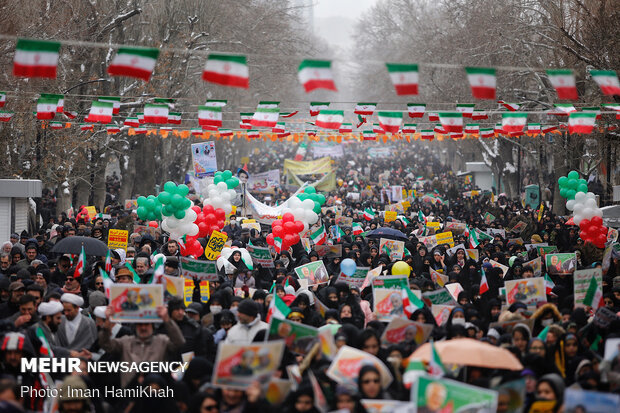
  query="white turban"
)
[
  {"x": 122, "y": 254},
  {"x": 51, "y": 308},
  {"x": 99, "y": 311},
  {"x": 72, "y": 298}
]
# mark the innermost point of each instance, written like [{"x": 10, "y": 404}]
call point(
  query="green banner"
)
[
  {"x": 202, "y": 270},
  {"x": 260, "y": 255},
  {"x": 299, "y": 338},
  {"x": 433, "y": 394}
]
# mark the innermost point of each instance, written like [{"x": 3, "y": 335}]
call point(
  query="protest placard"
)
[
  {"x": 260, "y": 256},
  {"x": 445, "y": 238},
  {"x": 536, "y": 265},
  {"x": 441, "y": 313},
  {"x": 434, "y": 394},
  {"x": 502, "y": 267},
  {"x": 582, "y": 401},
  {"x": 299, "y": 338},
  {"x": 528, "y": 291},
  {"x": 453, "y": 250},
  {"x": 455, "y": 289},
  {"x": 390, "y": 216},
  {"x": 457, "y": 228},
  {"x": 386, "y": 406},
  {"x": 473, "y": 253},
  {"x": 215, "y": 245},
  {"x": 441, "y": 296},
  {"x": 328, "y": 251},
  {"x": 277, "y": 390},
  {"x": 402, "y": 330},
  {"x": 173, "y": 287},
  {"x": 564, "y": 263},
  {"x": 387, "y": 296},
  {"x": 581, "y": 282},
  {"x": 512, "y": 393},
  {"x": 315, "y": 272},
  {"x": 238, "y": 365},
  {"x": 204, "y": 159},
  {"x": 355, "y": 280},
  {"x": 488, "y": 218},
  {"x": 136, "y": 303},
  {"x": 202, "y": 270},
  {"x": 117, "y": 238},
  {"x": 347, "y": 364},
  {"x": 395, "y": 249}
]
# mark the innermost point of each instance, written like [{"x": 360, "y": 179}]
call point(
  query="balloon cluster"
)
[
  {"x": 179, "y": 216},
  {"x": 570, "y": 185},
  {"x": 593, "y": 231},
  {"x": 302, "y": 211},
  {"x": 191, "y": 246},
  {"x": 149, "y": 208},
  {"x": 208, "y": 220},
  {"x": 286, "y": 229},
  {"x": 220, "y": 193},
  {"x": 584, "y": 207},
  {"x": 311, "y": 194}
]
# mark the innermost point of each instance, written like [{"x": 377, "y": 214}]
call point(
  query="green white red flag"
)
[
  {"x": 265, "y": 117},
  {"x": 330, "y": 119},
  {"x": 467, "y": 109},
  {"x": 390, "y": 121},
  {"x": 563, "y": 81},
  {"x": 112, "y": 129},
  {"x": 86, "y": 126},
  {"x": 36, "y": 58},
  {"x": 196, "y": 131},
  {"x": 316, "y": 107},
  {"x": 46, "y": 348},
  {"x": 451, "y": 121},
  {"x": 5, "y": 116},
  {"x": 513, "y": 122},
  {"x": 435, "y": 366},
  {"x": 253, "y": 134},
  {"x": 319, "y": 236},
  {"x": 301, "y": 151},
  {"x": 174, "y": 118},
  {"x": 411, "y": 302},
  {"x": 132, "y": 122},
  {"x": 210, "y": 116},
  {"x": 216, "y": 102},
  {"x": 607, "y": 80},
  {"x": 513, "y": 107},
  {"x": 472, "y": 128},
  {"x": 225, "y": 133},
  {"x": 116, "y": 102},
  {"x": 277, "y": 309},
  {"x": 533, "y": 129},
  {"x": 479, "y": 115},
  {"x": 369, "y": 214},
  {"x": 433, "y": 117},
  {"x": 56, "y": 125},
  {"x": 100, "y": 112},
  {"x": 484, "y": 283},
  {"x": 227, "y": 70},
  {"x": 357, "y": 228},
  {"x": 482, "y": 81},
  {"x": 60, "y": 101},
  {"x": 279, "y": 128},
  {"x": 79, "y": 267},
  {"x": 581, "y": 122},
  {"x": 369, "y": 135},
  {"x": 2, "y": 99},
  {"x": 409, "y": 128},
  {"x": 594, "y": 295},
  {"x": 563, "y": 109},
  {"x": 46, "y": 107},
  {"x": 137, "y": 62},
  {"x": 365, "y": 109},
  {"x": 316, "y": 74},
  {"x": 156, "y": 113},
  {"x": 549, "y": 284},
  {"x": 404, "y": 77},
  {"x": 427, "y": 134},
  {"x": 346, "y": 128},
  {"x": 416, "y": 110}
]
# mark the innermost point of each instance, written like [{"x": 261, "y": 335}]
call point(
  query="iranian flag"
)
[
  {"x": 140, "y": 117},
  {"x": 346, "y": 128},
  {"x": 216, "y": 102},
  {"x": 593, "y": 109},
  {"x": 513, "y": 107},
  {"x": 390, "y": 121},
  {"x": 563, "y": 109},
  {"x": 2, "y": 99},
  {"x": 100, "y": 112},
  {"x": 411, "y": 302},
  {"x": 451, "y": 121},
  {"x": 404, "y": 78},
  {"x": 607, "y": 80},
  {"x": 594, "y": 295},
  {"x": 301, "y": 151},
  {"x": 277, "y": 309},
  {"x": 277, "y": 244},
  {"x": 427, "y": 134},
  {"x": 132, "y": 122},
  {"x": 581, "y": 122},
  {"x": 5, "y": 116},
  {"x": 196, "y": 131},
  {"x": 479, "y": 115},
  {"x": 210, "y": 116},
  {"x": 112, "y": 129},
  {"x": 289, "y": 114},
  {"x": 472, "y": 128},
  {"x": 246, "y": 117},
  {"x": 533, "y": 129},
  {"x": 79, "y": 267},
  {"x": 56, "y": 125},
  {"x": 316, "y": 74},
  {"x": 513, "y": 122},
  {"x": 433, "y": 117},
  {"x": 498, "y": 128},
  {"x": 467, "y": 109},
  {"x": 158, "y": 270},
  {"x": 227, "y": 70},
  {"x": 266, "y": 117},
  {"x": 60, "y": 101},
  {"x": 311, "y": 132},
  {"x": 416, "y": 110},
  {"x": 319, "y": 236},
  {"x": 369, "y": 214},
  {"x": 330, "y": 119},
  {"x": 316, "y": 107},
  {"x": 46, "y": 348},
  {"x": 369, "y": 135},
  {"x": 435, "y": 366},
  {"x": 487, "y": 133},
  {"x": 137, "y": 62},
  {"x": 71, "y": 115},
  {"x": 612, "y": 106},
  {"x": 549, "y": 128},
  {"x": 244, "y": 125},
  {"x": 86, "y": 126},
  {"x": 484, "y": 283},
  {"x": 409, "y": 127},
  {"x": 140, "y": 130},
  {"x": 116, "y": 101},
  {"x": 46, "y": 107},
  {"x": 225, "y": 132},
  {"x": 36, "y": 58},
  {"x": 421, "y": 217},
  {"x": 357, "y": 228},
  {"x": 549, "y": 284},
  {"x": 482, "y": 81},
  {"x": 365, "y": 109},
  {"x": 253, "y": 134},
  {"x": 279, "y": 128},
  {"x": 157, "y": 113},
  {"x": 284, "y": 134},
  {"x": 472, "y": 238},
  {"x": 456, "y": 135},
  {"x": 376, "y": 128},
  {"x": 563, "y": 81},
  {"x": 174, "y": 118}
]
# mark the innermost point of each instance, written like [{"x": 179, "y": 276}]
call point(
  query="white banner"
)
[
  {"x": 264, "y": 182},
  {"x": 322, "y": 149}
]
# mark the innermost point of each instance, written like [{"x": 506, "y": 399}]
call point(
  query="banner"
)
[
  {"x": 215, "y": 245},
  {"x": 203, "y": 159},
  {"x": 318, "y": 166},
  {"x": 322, "y": 148},
  {"x": 136, "y": 303},
  {"x": 264, "y": 182},
  {"x": 380, "y": 151},
  {"x": 581, "y": 280},
  {"x": 328, "y": 251},
  {"x": 528, "y": 291},
  {"x": 387, "y": 296},
  {"x": 395, "y": 249},
  {"x": 581, "y": 401},
  {"x": 299, "y": 338},
  {"x": 117, "y": 238},
  {"x": 238, "y": 365},
  {"x": 355, "y": 280},
  {"x": 565, "y": 263},
  {"x": 536, "y": 265},
  {"x": 439, "y": 297},
  {"x": 202, "y": 270},
  {"x": 260, "y": 255},
  {"x": 315, "y": 272},
  {"x": 349, "y": 361},
  {"x": 445, "y": 238},
  {"x": 400, "y": 330},
  {"x": 433, "y": 394}
]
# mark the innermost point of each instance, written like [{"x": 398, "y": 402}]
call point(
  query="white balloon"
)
[
  {"x": 577, "y": 219},
  {"x": 172, "y": 223},
  {"x": 307, "y": 204},
  {"x": 222, "y": 187},
  {"x": 227, "y": 208},
  {"x": 313, "y": 217},
  {"x": 578, "y": 209},
  {"x": 590, "y": 203},
  {"x": 225, "y": 196},
  {"x": 190, "y": 215},
  {"x": 212, "y": 187},
  {"x": 191, "y": 230},
  {"x": 580, "y": 197},
  {"x": 598, "y": 212},
  {"x": 587, "y": 213},
  {"x": 306, "y": 226},
  {"x": 570, "y": 204},
  {"x": 232, "y": 193},
  {"x": 294, "y": 202},
  {"x": 164, "y": 225},
  {"x": 590, "y": 195},
  {"x": 214, "y": 193}
]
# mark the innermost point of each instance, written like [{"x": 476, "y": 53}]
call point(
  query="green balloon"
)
[
  {"x": 570, "y": 194},
  {"x": 573, "y": 183},
  {"x": 179, "y": 214},
  {"x": 562, "y": 181},
  {"x": 164, "y": 197},
  {"x": 218, "y": 173},
  {"x": 303, "y": 196},
  {"x": 583, "y": 181},
  {"x": 183, "y": 190},
  {"x": 141, "y": 200},
  {"x": 573, "y": 175},
  {"x": 317, "y": 208},
  {"x": 142, "y": 212},
  {"x": 563, "y": 192},
  {"x": 167, "y": 210},
  {"x": 582, "y": 188},
  {"x": 217, "y": 180},
  {"x": 186, "y": 203},
  {"x": 310, "y": 190},
  {"x": 157, "y": 213},
  {"x": 226, "y": 175},
  {"x": 232, "y": 183},
  {"x": 170, "y": 187},
  {"x": 150, "y": 204},
  {"x": 177, "y": 201},
  {"x": 321, "y": 199}
]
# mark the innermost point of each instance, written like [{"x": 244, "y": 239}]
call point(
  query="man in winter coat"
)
[{"x": 249, "y": 324}]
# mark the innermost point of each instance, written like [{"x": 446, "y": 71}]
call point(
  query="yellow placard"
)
[
  {"x": 245, "y": 159},
  {"x": 445, "y": 238},
  {"x": 205, "y": 293},
  {"x": 475, "y": 193},
  {"x": 248, "y": 221},
  {"x": 390, "y": 216},
  {"x": 188, "y": 291},
  {"x": 234, "y": 210},
  {"x": 92, "y": 211},
  {"x": 215, "y": 245},
  {"x": 251, "y": 225},
  {"x": 117, "y": 238},
  {"x": 406, "y": 204},
  {"x": 435, "y": 225},
  {"x": 404, "y": 193}
]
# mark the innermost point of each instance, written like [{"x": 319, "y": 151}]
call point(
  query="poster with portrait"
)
[
  {"x": 203, "y": 159},
  {"x": 395, "y": 249},
  {"x": 355, "y": 280},
  {"x": 536, "y": 265},
  {"x": 387, "y": 293},
  {"x": 585, "y": 401},
  {"x": 315, "y": 272},
  {"x": 564, "y": 263},
  {"x": 264, "y": 182},
  {"x": 502, "y": 267},
  {"x": 435, "y": 394},
  {"x": 528, "y": 291},
  {"x": 345, "y": 367},
  {"x": 238, "y": 365},
  {"x": 386, "y": 406},
  {"x": 136, "y": 303},
  {"x": 581, "y": 282},
  {"x": 400, "y": 330},
  {"x": 298, "y": 338}
]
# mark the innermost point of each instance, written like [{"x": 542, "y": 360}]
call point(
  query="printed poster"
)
[
  {"x": 260, "y": 256},
  {"x": 433, "y": 394},
  {"x": 386, "y": 406},
  {"x": 315, "y": 272},
  {"x": 298, "y": 338},
  {"x": 581, "y": 282},
  {"x": 401, "y": 329},
  {"x": 202, "y": 270},
  {"x": 328, "y": 251},
  {"x": 565, "y": 263},
  {"x": 438, "y": 297},
  {"x": 388, "y": 296},
  {"x": 512, "y": 394},
  {"x": 445, "y": 238},
  {"x": 488, "y": 218},
  {"x": 173, "y": 286},
  {"x": 136, "y": 303},
  {"x": 215, "y": 245},
  {"x": 203, "y": 159},
  {"x": 349, "y": 361},
  {"x": 581, "y": 401},
  {"x": 528, "y": 291},
  {"x": 441, "y": 313},
  {"x": 536, "y": 265},
  {"x": 238, "y": 365},
  {"x": 395, "y": 249},
  {"x": 544, "y": 250},
  {"x": 117, "y": 238},
  {"x": 357, "y": 279},
  {"x": 457, "y": 228},
  {"x": 502, "y": 267},
  {"x": 264, "y": 182},
  {"x": 473, "y": 253}
]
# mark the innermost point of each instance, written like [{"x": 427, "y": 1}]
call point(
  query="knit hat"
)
[{"x": 248, "y": 307}]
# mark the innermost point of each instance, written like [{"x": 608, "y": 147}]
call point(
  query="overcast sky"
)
[{"x": 334, "y": 19}]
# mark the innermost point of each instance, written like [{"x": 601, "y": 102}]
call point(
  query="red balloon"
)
[
  {"x": 270, "y": 239},
  {"x": 153, "y": 224},
  {"x": 296, "y": 239},
  {"x": 598, "y": 221},
  {"x": 208, "y": 209},
  {"x": 289, "y": 239},
  {"x": 593, "y": 230},
  {"x": 299, "y": 226},
  {"x": 196, "y": 209},
  {"x": 604, "y": 230},
  {"x": 221, "y": 223},
  {"x": 277, "y": 222},
  {"x": 288, "y": 217},
  {"x": 203, "y": 228},
  {"x": 585, "y": 223},
  {"x": 210, "y": 218},
  {"x": 600, "y": 239},
  {"x": 214, "y": 228},
  {"x": 277, "y": 231},
  {"x": 220, "y": 214}
]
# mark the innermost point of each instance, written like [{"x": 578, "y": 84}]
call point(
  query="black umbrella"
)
[
  {"x": 73, "y": 245},
  {"x": 389, "y": 233}
]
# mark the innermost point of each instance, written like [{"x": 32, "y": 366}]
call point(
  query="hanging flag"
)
[
  {"x": 5, "y": 116},
  {"x": 225, "y": 133},
  {"x": 86, "y": 126},
  {"x": 196, "y": 131},
  {"x": 369, "y": 135},
  {"x": 56, "y": 125},
  {"x": 132, "y": 122},
  {"x": 563, "y": 81},
  {"x": 79, "y": 267},
  {"x": 593, "y": 109},
  {"x": 479, "y": 115},
  {"x": 156, "y": 113},
  {"x": 563, "y": 109},
  {"x": 116, "y": 102},
  {"x": 484, "y": 283},
  {"x": 253, "y": 134},
  {"x": 607, "y": 80},
  {"x": 510, "y": 106},
  {"x": 330, "y": 119},
  {"x": 451, "y": 121},
  {"x": 246, "y": 117},
  {"x": 390, "y": 121},
  {"x": 498, "y": 128},
  {"x": 487, "y": 132},
  {"x": 377, "y": 128},
  {"x": 416, "y": 110},
  {"x": 513, "y": 122},
  {"x": 174, "y": 118},
  {"x": 467, "y": 109},
  {"x": 266, "y": 117},
  {"x": 581, "y": 122},
  {"x": 482, "y": 81},
  {"x": 140, "y": 130},
  {"x": 36, "y": 58},
  {"x": 411, "y": 302},
  {"x": 316, "y": 107},
  {"x": 216, "y": 102},
  {"x": 472, "y": 128},
  {"x": 46, "y": 108},
  {"x": 266, "y": 104},
  {"x": 319, "y": 236},
  {"x": 279, "y": 128},
  {"x": 210, "y": 116},
  {"x": 533, "y": 129},
  {"x": 311, "y": 132},
  {"x": 409, "y": 127},
  {"x": 316, "y": 74},
  {"x": 357, "y": 228},
  {"x": 137, "y": 62},
  {"x": 112, "y": 129},
  {"x": 277, "y": 309},
  {"x": 404, "y": 78},
  {"x": 100, "y": 112},
  {"x": 549, "y": 284},
  {"x": 2, "y": 99},
  {"x": 433, "y": 117},
  {"x": 140, "y": 117},
  {"x": 435, "y": 366},
  {"x": 60, "y": 99},
  {"x": 288, "y": 114},
  {"x": 365, "y": 109},
  {"x": 346, "y": 128},
  {"x": 594, "y": 295},
  {"x": 427, "y": 134},
  {"x": 227, "y": 70},
  {"x": 301, "y": 151}
]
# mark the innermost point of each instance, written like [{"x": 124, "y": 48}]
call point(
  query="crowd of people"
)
[{"x": 560, "y": 345}]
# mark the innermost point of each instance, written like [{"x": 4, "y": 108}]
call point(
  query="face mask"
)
[
  {"x": 284, "y": 261},
  {"x": 458, "y": 321},
  {"x": 234, "y": 310},
  {"x": 547, "y": 322},
  {"x": 215, "y": 308}
]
